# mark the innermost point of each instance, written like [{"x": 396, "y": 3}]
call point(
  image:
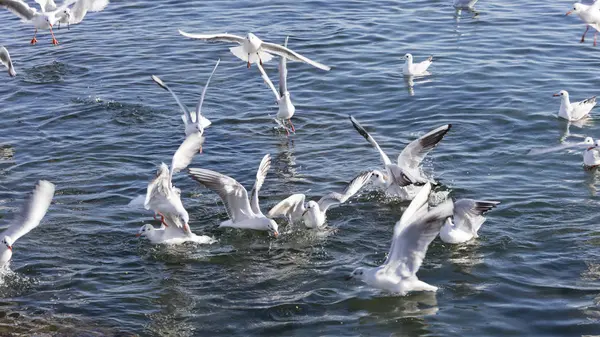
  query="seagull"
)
[
  {"x": 313, "y": 213},
  {"x": 466, "y": 220},
  {"x": 31, "y": 215},
  {"x": 415, "y": 69},
  {"x": 286, "y": 108},
  {"x": 574, "y": 111},
  {"x": 171, "y": 235},
  {"x": 43, "y": 20},
  {"x": 7, "y": 62},
  {"x": 412, "y": 236},
  {"x": 243, "y": 213},
  {"x": 399, "y": 178},
  {"x": 164, "y": 198},
  {"x": 192, "y": 123},
  {"x": 74, "y": 15},
  {"x": 252, "y": 49},
  {"x": 590, "y": 14},
  {"x": 591, "y": 154}
]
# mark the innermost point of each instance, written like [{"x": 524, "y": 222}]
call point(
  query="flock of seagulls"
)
[{"x": 454, "y": 221}]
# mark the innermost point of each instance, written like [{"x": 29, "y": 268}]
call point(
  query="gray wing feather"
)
[
  {"x": 468, "y": 213},
  {"x": 20, "y": 8},
  {"x": 7, "y": 62},
  {"x": 214, "y": 37},
  {"x": 33, "y": 211},
  {"x": 413, "y": 154},
  {"x": 363, "y": 132},
  {"x": 351, "y": 189},
  {"x": 261, "y": 174},
  {"x": 292, "y": 55}
]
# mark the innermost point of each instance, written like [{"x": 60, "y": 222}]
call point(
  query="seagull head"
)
[
  {"x": 8, "y": 242},
  {"x": 577, "y": 8},
  {"x": 408, "y": 57},
  {"x": 147, "y": 228},
  {"x": 358, "y": 273},
  {"x": 273, "y": 228},
  {"x": 311, "y": 206},
  {"x": 253, "y": 39},
  {"x": 378, "y": 179},
  {"x": 563, "y": 94}
]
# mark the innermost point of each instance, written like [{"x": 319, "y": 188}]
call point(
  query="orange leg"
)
[
  {"x": 583, "y": 36},
  {"x": 54, "y": 40},
  {"x": 162, "y": 218},
  {"x": 34, "y": 40},
  {"x": 293, "y": 129},
  {"x": 248, "y": 61}
]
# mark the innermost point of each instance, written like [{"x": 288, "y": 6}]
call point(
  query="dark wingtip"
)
[{"x": 359, "y": 128}]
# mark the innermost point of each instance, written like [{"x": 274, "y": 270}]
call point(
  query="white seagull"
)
[
  {"x": 466, "y": 220},
  {"x": 75, "y": 14},
  {"x": 590, "y": 14},
  {"x": 591, "y": 154},
  {"x": 7, "y": 62},
  {"x": 415, "y": 69},
  {"x": 284, "y": 101},
  {"x": 171, "y": 235},
  {"x": 31, "y": 214},
  {"x": 399, "y": 178},
  {"x": 412, "y": 236},
  {"x": 252, "y": 49},
  {"x": 313, "y": 213},
  {"x": 193, "y": 123},
  {"x": 243, "y": 213},
  {"x": 164, "y": 198},
  {"x": 576, "y": 110}
]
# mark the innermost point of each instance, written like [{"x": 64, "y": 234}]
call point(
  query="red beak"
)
[
  {"x": 10, "y": 247},
  {"x": 568, "y": 13},
  {"x": 138, "y": 235},
  {"x": 556, "y": 95}
]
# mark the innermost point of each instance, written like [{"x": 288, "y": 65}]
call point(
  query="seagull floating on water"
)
[
  {"x": 415, "y": 69},
  {"x": 412, "y": 236},
  {"x": 7, "y": 62},
  {"x": 576, "y": 110},
  {"x": 31, "y": 214},
  {"x": 590, "y": 14},
  {"x": 193, "y": 123},
  {"x": 284, "y": 101},
  {"x": 399, "y": 179},
  {"x": 243, "y": 213},
  {"x": 252, "y": 49},
  {"x": 164, "y": 198},
  {"x": 466, "y": 220},
  {"x": 171, "y": 235},
  {"x": 313, "y": 213},
  {"x": 591, "y": 154}
]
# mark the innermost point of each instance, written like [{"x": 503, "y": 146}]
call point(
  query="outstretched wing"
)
[
  {"x": 46, "y": 5},
  {"x": 7, "y": 62},
  {"x": 586, "y": 143},
  {"x": 232, "y": 193},
  {"x": 81, "y": 8},
  {"x": 20, "y": 8},
  {"x": 468, "y": 214},
  {"x": 261, "y": 174},
  {"x": 163, "y": 85},
  {"x": 185, "y": 153},
  {"x": 33, "y": 211},
  {"x": 291, "y": 207},
  {"x": 413, "y": 154},
  {"x": 364, "y": 133},
  {"x": 283, "y": 72},
  {"x": 292, "y": 55},
  {"x": 199, "y": 105},
  {"x": 353, "y": 187},
  {"x": 214, "y": 37},
  {"x": 267, "y": 80}
]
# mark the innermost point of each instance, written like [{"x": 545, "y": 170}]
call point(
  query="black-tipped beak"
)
[{"x": 348, "y": 277}]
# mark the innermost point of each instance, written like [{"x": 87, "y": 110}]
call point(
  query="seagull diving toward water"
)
[
  {"x": 412, "y": 236},
  {"x": 243, "y": 213},
  {"x": 164, "y": 198},
  {"x": 576, "y": 110},
  {"x": 7, "y": 62},
  {"x": 313, "y": 213},
  {"x": 31, "y": 214},
  {"x": 400, "y": 178},
  {"x": 415, "y": 69},
  {"x": 286, "y": 108},
  {"x": 590, "y": 14},
  {"x": 466, "y": 220},
  {"x": 252, "y": 49},
  {"x": 192, "y": 123}
]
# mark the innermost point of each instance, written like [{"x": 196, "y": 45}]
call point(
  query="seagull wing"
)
[
  {"x": 267, "y": 80},
  {"x": 199, "y": 106},
  {"x": 7, "y": 62},
  {"x": 411, "y": 241},
  {"x": 353, "y": 187},
  {"x": 261, "y": 174},
  {"x": 283, "y": 72},
  {"x": 185, "y": 153},
  {"x": 291, "y": 207},
  {"x": 163, "y": 85},
  {"x": 33, "y": 211},
  {"x": 364, "y": 133},
  {"x": 468, "y": 214},
  {"x": 215, "y": 37},
  {"x": 564, "y": 146},
  {"x": 46, "y": 5},
  {"x": 20, "y": 8},
  {"x": 413, "y": 154},
  {"x": 232, "y": 193},
  {"x": 292, "y": 55},
  {"x": 158, "y": 189}
]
